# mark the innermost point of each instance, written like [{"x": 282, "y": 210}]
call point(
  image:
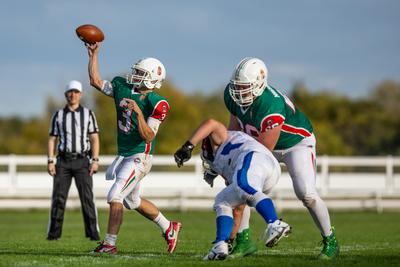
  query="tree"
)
[{"x": 343, "y": 126}]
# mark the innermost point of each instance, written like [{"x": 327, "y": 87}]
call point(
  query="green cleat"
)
[
  {"x": 244, "y": 246},
  {"x": 331, "y": 247}
]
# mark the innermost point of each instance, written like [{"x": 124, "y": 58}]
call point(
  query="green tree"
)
[
  {"x": 343, "y": 126},
  {"x": 104, "y": 110}
]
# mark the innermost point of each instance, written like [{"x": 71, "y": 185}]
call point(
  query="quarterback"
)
[
  {"x": 140, "y": 111},
  {"x": 270, "y": 117},
  {"x": 250, "y": 171}
]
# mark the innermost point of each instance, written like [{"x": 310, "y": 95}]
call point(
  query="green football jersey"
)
[
  {"x": 152, "y": 105},
  {"x": 269, "y": 110}
]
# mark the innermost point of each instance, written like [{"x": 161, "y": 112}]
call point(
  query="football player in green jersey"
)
[
  {"x": 140, "y": 111},
  {"x": 271, "y": 118}
]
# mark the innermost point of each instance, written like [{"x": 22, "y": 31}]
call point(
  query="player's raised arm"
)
[
  {"x": 93, "y": 68},
  {"x": 212, "y": 128}
]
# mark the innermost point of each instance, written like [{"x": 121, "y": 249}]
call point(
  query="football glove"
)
[
  {"x": 209, "y": 176},
  {"x": 184, "y": 153}
]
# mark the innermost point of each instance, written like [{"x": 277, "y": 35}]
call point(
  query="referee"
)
[{"x": 75, "y": 128}]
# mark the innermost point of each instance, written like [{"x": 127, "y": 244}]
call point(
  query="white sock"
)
[
  {"x": 162, "y": 222},
  {"x": 110, "y": 239},
  {"x": 319, "y": 212},
  {"x": 245, "y": 222}
]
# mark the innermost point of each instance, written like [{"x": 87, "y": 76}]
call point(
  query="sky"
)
[{"x": 344, "y": 46}]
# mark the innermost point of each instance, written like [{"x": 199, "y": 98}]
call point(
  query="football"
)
[{"x": 89, "y": 33}]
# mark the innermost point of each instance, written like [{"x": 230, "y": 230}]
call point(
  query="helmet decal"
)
[{"x": 262, "y": 73}]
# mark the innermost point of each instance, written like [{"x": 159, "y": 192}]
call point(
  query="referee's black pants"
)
[{"x": 65, "y": 170}]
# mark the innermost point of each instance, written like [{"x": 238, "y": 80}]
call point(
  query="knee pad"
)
[
  {"x": 113, "y": 196},
  {"x": 309, "y": 200},
  {"x": 223, "y": 208},
  {"x": 112, "y": 199},
  {"x": 132, "y": 204}
]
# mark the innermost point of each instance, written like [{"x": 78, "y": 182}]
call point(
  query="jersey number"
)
[{"x": 125, "y": 124}]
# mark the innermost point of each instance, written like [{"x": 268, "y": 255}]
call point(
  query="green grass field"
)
[{"x": 366, "y": 238}]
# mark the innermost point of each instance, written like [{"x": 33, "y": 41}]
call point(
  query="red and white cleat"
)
[
  {"x": 171, "y": 235},
  {"x": 105, "y": 248}
]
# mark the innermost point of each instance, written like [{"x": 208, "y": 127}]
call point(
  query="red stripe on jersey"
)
[
  {"x": 147, "y": 148},
  {"x": 271, "y": 121},
  {"x": 160, "y": 110},
  {"x": 313, "y": 162},
  {"x": 295, "y": 130}
]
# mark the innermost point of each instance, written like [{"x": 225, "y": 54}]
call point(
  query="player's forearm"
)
[
  {"x": 94, "y": 74},
  {"x": 200, "y": 134},
  {"x": 51, "y": 144},
  {"x": 145, "y": 131},
  {"x": 208, "y": 127},
  {"x": 95, "y": 144}
]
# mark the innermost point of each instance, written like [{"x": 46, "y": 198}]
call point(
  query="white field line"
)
[
  {"x": 152, "y": 256},
  {"x": 343, "y": 248}
]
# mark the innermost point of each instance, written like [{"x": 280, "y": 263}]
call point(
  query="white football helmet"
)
[
  {"x": 248, "y": 81},
  {"x": 149, "y": 72}
]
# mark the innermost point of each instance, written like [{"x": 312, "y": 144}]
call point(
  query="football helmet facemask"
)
[
  {"x": 149, "y": 72},
  {"x": 206, "y": 153},
  {"x": 248, "y": 81}
]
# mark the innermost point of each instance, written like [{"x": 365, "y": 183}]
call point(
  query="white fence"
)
[{"x": 344, "y": 182}]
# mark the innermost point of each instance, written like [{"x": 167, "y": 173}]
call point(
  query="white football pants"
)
[
  {"x": 262, "y": 174},
  {"x": 300, "y": 162},
  {"x": 128, "y": 172}
]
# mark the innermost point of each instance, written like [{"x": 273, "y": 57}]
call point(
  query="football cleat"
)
[
  {"x": 331, "y": 247},
  {"x": 230, "y": 246},
  {"x": 275, "y": 231},
  {"x": 219, "y": 251},
  {"x": 171, "y": 235},
  {"x": 244, "y": 245},
  {"x": 104, "y": 248}
]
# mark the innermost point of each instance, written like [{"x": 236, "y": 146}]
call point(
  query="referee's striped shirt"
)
[{"x": 73, "y": 129}]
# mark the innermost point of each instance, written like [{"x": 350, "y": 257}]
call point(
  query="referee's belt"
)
[{"x": 72, "y": 156}]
